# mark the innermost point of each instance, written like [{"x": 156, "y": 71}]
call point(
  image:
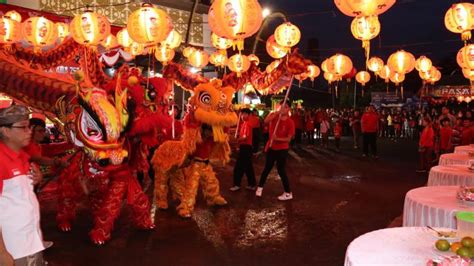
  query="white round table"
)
[
  {"x": 451, "y": 175},
  {"x": 455, "y": 158},
  {"x": 464, "y": 149},
  {"x": 434, "y": 206},
  {"x": 393, "y": 246}
]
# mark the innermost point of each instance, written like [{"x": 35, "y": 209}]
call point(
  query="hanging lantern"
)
[
  {"x": 468, "y": 99},
  {"x": 198, "y": 58},
  {"x": 375, "y": 64},
  {"x": 301, "y": 77},
  {"x": 423, "y": 64},
  {"x": 272, "y": 66},
  {"x": 188, "y": 51},
  {"x": 218, "y": 59},
  {"x": 110, "y": 42},
  {"x": 435, "y": 78},
  {"x": 173, "y": 40},
  {"x": 313, "y": 72},
  {"x": 339, "y": 65},
  {"x": 254, "y": 58},
  {"x": 401, "y": 62},
  {"x": 89, "y": 28},
  {"x": 136, "y": 49},
  {"x": 427, "y": 75},
  {"x": 274, "y": 49},
  {"x": 357, "y": 8},
  {"x": 330, "y": 77},
  {"x": 238, "y": 63},
  {"x": 287, "y": 35},
  {"x": 350, "y": 75},
  {"x": 220, "y": 42},
  {"x": 363, "y": 77},
  {"x": 12, "y": 14},
  {"x": 164, "y": 54},
  {"x": 324, "y": 65},
  {"x": 460, "y": 19},
  {"x": 63, "y": 30},
  {"x": 235, "y": 19},
  {"x": 397, "y": 78},
  {"x": 365, "y": 29},
  {"x": 465, "y": 57},
  {"x": 460, "y": 98},
  {"x": 10, "y": 30},
  {"x": 149, "y": 25},
  {"x": 123, "y": 38},
  {"x": 468, "y": 73},
  {"x": 385, "y": 73},
  {"x": 39, "y": 32}
]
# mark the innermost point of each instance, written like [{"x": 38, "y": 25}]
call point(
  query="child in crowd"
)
[
  {"x": 325, "y": 127},
  {"x": 426, "y": 145}
]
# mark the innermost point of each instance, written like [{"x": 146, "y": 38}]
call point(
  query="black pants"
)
[
  {"x": 298, "y": 133},
  {"x": 278, "y": 156},
  {"x": 244, "y": 165},
  {"x": 310, "y": 134},
  {"x": 370, "y": 139},
  {"x": 256, "y": 139}
]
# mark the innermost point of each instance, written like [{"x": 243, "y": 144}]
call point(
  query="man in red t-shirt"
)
[
  {"x": 370, "y": 127},
  {"x": 446, "y": 134},
  {"x": 254, "y": 122},
  {"x": 282, "y": 130},
  {"x": 244, "y": 164},
  {"x": 466, "y": 133}
]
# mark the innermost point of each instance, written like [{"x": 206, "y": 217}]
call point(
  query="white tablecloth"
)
[
  {"x": 393, "y": 246},
  {"x": 434, "y": 206},
  {"x": 451, "y": 175},
  {"x": 454, "y": 158},
  {"x": 464, "y": 149}
]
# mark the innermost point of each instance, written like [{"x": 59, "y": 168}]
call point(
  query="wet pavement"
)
[{"x": 337, "y": 197}]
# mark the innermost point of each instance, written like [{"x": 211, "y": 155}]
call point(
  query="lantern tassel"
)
[
  {"x": 401, "y": 91},
  {"x": 336, "y": 89},
  {"x": 366, "y": 46},
  {"x": 387, "y": 87},
  {"x": 466, "y": 36}
]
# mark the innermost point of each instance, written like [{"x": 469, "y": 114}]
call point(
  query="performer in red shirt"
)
[
  {"x": 254, "y": 121},
  {"x": 426, "y": 145},
  {"x": 446, "y": 133},
  {"x": 244, "y": 162},
  {"x": 34, "y": 149},
  {"x": 370, "y": 127},
  {"x": 277, "y": 149},
  {"x": 337, "y": 134},
  {"x": 466, "y": 133}
]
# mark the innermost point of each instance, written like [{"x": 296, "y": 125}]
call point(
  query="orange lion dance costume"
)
[{"x": 185, "y": 163}]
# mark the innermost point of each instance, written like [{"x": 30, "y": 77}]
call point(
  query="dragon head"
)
[
  {"x": 212, "y": 105},
  {"x": 97, "y": 124}
]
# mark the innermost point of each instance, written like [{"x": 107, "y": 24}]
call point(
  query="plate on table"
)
[{"x": 449, "y": 234}]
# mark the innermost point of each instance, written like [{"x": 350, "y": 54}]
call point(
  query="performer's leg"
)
[
  {"x": 106, "y": 215},
  {"x": 210, "y": 186},
  {"x": 140, "y": 205},
  {"x": 70, "y": 192},
  {"x": 191, "y": 176},
  {"x": 177, "y": 183},
  {"x": 161, "y": 189}
]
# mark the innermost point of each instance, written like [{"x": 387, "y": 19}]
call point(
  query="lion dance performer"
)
[{"x": 185, "y": 163}]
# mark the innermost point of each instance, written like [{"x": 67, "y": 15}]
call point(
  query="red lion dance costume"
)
[{"x": 101, "y": 123}]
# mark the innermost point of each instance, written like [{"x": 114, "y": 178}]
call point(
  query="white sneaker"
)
[
  {"x": 259, "y": 191},
  {"x": 285, "y": 196},
  {"x": 234, "y": 188}
]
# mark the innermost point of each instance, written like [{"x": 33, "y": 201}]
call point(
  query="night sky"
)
[{"x": 414, "y": 25}]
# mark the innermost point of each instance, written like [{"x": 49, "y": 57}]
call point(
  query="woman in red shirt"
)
[
  {"x": 426, "y": 145},
  {"x": 446, "y": 133},
  {"x": 277, "y": 149}
]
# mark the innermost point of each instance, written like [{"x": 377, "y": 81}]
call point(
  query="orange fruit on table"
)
[
  {"x": 467, "y": 242},
  {"x": 455, "y": 246}
]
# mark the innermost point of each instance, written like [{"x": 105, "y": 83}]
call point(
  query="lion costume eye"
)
[{"x": 205, "y": 98}]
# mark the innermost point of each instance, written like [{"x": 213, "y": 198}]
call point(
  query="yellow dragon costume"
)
[{"x": 185, "y": 164}]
